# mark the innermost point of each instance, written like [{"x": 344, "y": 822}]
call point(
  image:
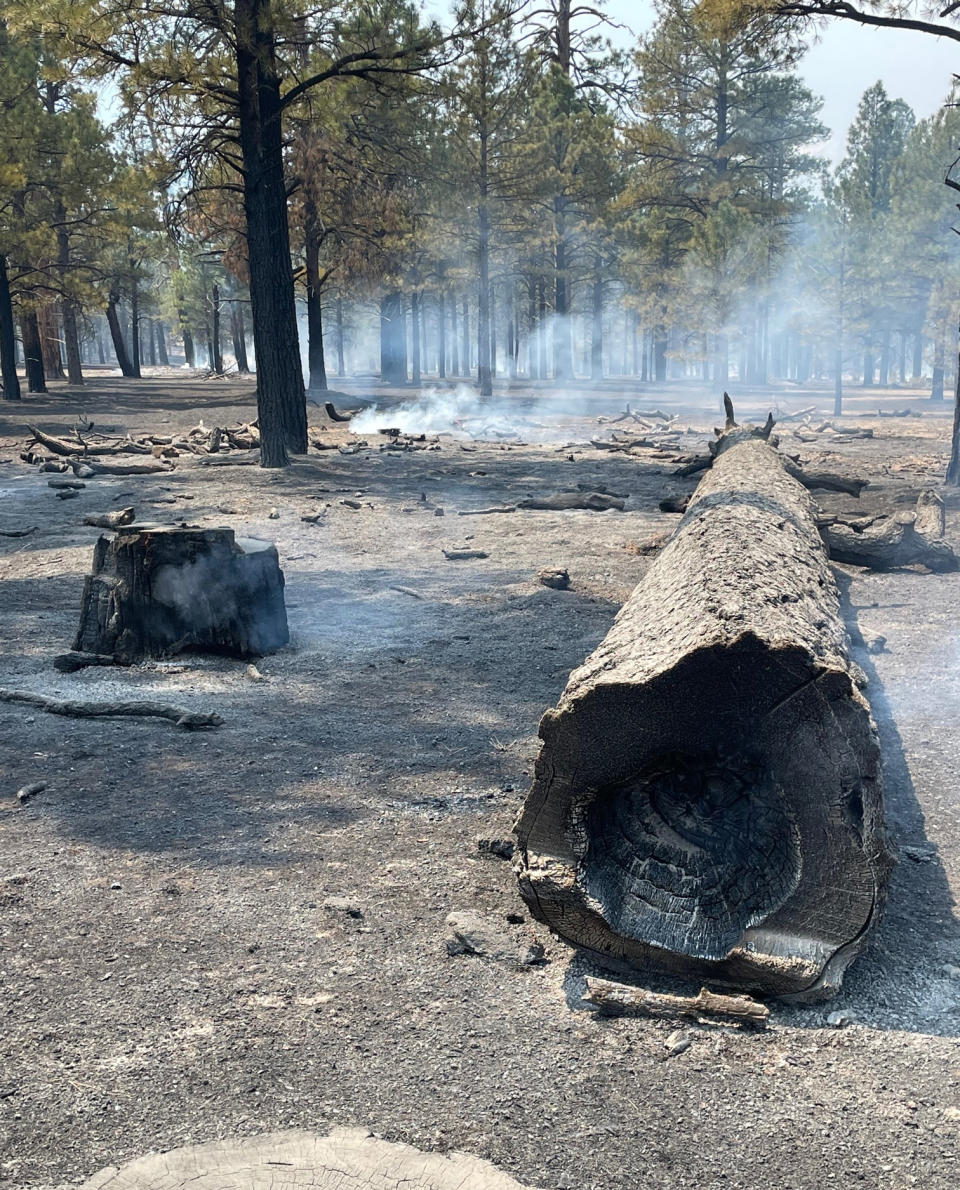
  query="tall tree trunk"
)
[
  {"x": 32, "y": 352},
  {"x": 162, "y": 355},
  {"x": 465, "y": 352},
  {"x": 186, "y": 334},
  {"x": 917, "y": 355},
  {"x": 533, "y": 335},
  {"x": 101, "y": 354},
  {"x": 596, "y": 336},
  {"x": 953, "y": 468},
  {"x": 415, "y": 337},
  {"x": 512, "y": 331},
  {"x": 868, "y": 369},
  {"x": 441, "y": 334},
  {"x": 902, "y": 363},
  {"x": 341, "y": 366},
  {"x": 119, "y": 346},
  {"x": 317, "y": 365},
  {"x": 483, "y": 288},
  {"x": 393, "y": 339},
  {"x": 217, "y": 362},
  {"x": 936, "y": 386},
  {"x": 238, "y": 331},
  {"x": 50, "y": 342},
  {"x": 151, "y": 343},
  {"x": 885, "y": 360},
  {"x": 542, "y": 328},
  {"x": 281, "y": 399},
  {"x": 838, "y": 381},
  {"x": 562, "y": 331},
  {"x": 134, "y": 324},
  {"x": 660, "y": 344},
  {"x": 454, "y": 338},
  {"x": 71, "y": 338},
  {"x": 644, "y": 358},
  {"x": 8, "y": 339}
]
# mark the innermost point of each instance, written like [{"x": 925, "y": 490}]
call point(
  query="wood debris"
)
[{"x": 190, "y": 720}]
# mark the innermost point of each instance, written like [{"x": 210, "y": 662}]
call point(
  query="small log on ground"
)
[
  {"x": 708, "y": 795},
  {"x": 891, "y": 542},
  {"x": 156, "y": 590},
  {"x": 618, "y": 999},
  {"x": 330, "y": 410},
  {"x": 89, "y": 467},
  {"x": 111, "y": 520},
  {"x": 591, "y": 501},
  {"x": 69, "y": 663},
  {"x": 191, "y": 720}
]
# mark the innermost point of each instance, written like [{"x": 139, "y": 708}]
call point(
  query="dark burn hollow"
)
[
  {"x": 691, "y": 852},
  {"x": 708, "y": 798}
]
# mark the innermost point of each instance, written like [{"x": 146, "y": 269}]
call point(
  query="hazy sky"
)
[{"x": 847, "y": 59}]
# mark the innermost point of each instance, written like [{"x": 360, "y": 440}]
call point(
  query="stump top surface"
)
[{"x": 347, "y": 1159}]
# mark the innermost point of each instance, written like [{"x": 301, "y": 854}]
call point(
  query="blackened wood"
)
[
  {"x": 708, "y": 795},
  {"x": 156, "y": 591}
]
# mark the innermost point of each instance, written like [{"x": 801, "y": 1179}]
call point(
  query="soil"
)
[{"x": 212, "y": 935}]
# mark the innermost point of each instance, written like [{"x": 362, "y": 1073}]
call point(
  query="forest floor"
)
[{"x": 209, "y": 935}]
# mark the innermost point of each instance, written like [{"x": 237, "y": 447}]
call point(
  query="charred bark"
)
[
  {"x": 393, "y": 339},
  {"x": 32, "y": 352},
  {"x": 8, "y": 339},
  {"x": 156, "y": 591},
  {"x": 708, "y": 796}
]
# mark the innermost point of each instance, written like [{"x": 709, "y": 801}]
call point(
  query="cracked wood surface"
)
[
  {"x": 708, "y": 795},
  {"x": 347, "y": 1159}
]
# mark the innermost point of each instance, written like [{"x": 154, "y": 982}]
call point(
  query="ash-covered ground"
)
[{"x": 208, "y": 935}]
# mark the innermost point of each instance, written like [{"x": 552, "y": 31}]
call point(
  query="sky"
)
[{"x": 846, "y": 59}]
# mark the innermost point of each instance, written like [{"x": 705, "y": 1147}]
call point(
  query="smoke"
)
[{"x": 462, "y": 413}]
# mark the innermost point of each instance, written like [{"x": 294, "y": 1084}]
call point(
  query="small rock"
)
[
  {"x": 438, "y": 512},
  {"x": 878, "y": 645},
  {"x": 920, "y": 855},
  {"x": 534, "y": 955},
  {"x": 951, "y": 1113},
  {"x": 503, "y": 848},
  {"x": 840, "y": 1019},
  {"x": 228, "y": 510},
  {"x": 950, "y": 971},
  {"x": 554, "y": 577},
  {"x": 677, "y": 1042},
  {"x": 470, "y": 933},
  {"x": 343, "y": 905},
  {"x": 66, "y": 493},
  {"x": 116, "y": 886},
  {"x": 254, "y": 674},
  {"x": 273, "y": 515},
  {"x": 25, "y": 793},
  {"x": 18, "y": 878}
]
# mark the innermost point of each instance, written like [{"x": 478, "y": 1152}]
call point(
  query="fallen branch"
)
[
  {"x": 464, "y": 555},
  {"x": 484, "y": 511},
  {"x": 824, "y": 480},
  {"x": 701, "y": 463},
  {"x": 900, "y": 413},
  {"x": 68, "y": 663},
  {"x": 616, "y": 999},
  {"x": 18, "y": 532},
  {"x": 798, "y": 416},
  {"x": 591, "y": 501},
  {"x": 250, "y": 459},
  {"x": 890, "y": 542},
  {"x": 191, "y": 720},
  {"x": 96, "y": 468},
  {"x": 330, "y": 409}
]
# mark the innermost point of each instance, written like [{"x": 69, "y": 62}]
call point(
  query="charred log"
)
[
  {"x": 708, "y": 795},
  {"x": 156, "y": 591}
]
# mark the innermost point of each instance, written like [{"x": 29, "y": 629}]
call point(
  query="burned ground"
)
[{"x": 218, "y": 934}]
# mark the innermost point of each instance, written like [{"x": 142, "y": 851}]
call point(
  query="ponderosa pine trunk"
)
[
  {"x": 281, "y": 398},
  {"x": 441, "y": 335},
  {"x": 415, "y": 341},
  {"x": 8, "y": 339},
  {"x": 134, "y": 324},
  {"x": 953, "y": 468},
  {"x": 393, "y": 339},
  {"x": 936, "y": 383},
  {"x": 316, "y": 362},
  {"x": 239, "y": 332},
  {"x": 465, "y": 337},
  {"x": 596, "y": 328},
  {"x": 341, "y": 365},
  {"x": 32, "y": 352},
  {"x": 484, "y": 374},
  {"x": 68, "y": 308},
  {"x": 151, "y": 344},
  {"x": 116, "y": 334},
  {"x": 217, "y": 346},
  {"x": 50, "y": 342},
  {"x": 162, "y": 355}
]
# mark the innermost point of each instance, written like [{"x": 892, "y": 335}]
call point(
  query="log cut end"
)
[
  {"x": 708, "y": 796},
  {"x": 158, "y": 590}
]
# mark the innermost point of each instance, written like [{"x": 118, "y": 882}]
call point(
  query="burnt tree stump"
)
[
  {"x": 708, "y": 794},
  {"x": 157, "y": 590}
]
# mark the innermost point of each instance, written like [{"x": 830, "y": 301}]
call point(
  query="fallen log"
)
[
  {"x": 249, "y": 459},
  {"x": 89, "y": 467},
  {"x": 695, "y": 466},
  {"x": 824, "y": 481},
  {"x": 191, "y": 720},
  {"x": 900, "y": 413},
  {"x": 591, "y": 501},
  {"x": 18, "y": 532},
  {"x": 799, "y": 415},
  {"x": 68, "y": 663},
  {"x": 617, "y": 999},
  {"x": 111, "y": 520},
  {"x": 485, "y": 511},
  {"x": 708, "y": 795},
  {"x": 157, "y": 590},
  {"x": 75, "y": 484},
  {"x": 892, "y": 542},
  {"x": 464, "y": 555}
]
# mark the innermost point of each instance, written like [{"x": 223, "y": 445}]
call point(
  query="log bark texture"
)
[
  {"x": 708, "y": 796},
  {"x": 156, "y": 591}
]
